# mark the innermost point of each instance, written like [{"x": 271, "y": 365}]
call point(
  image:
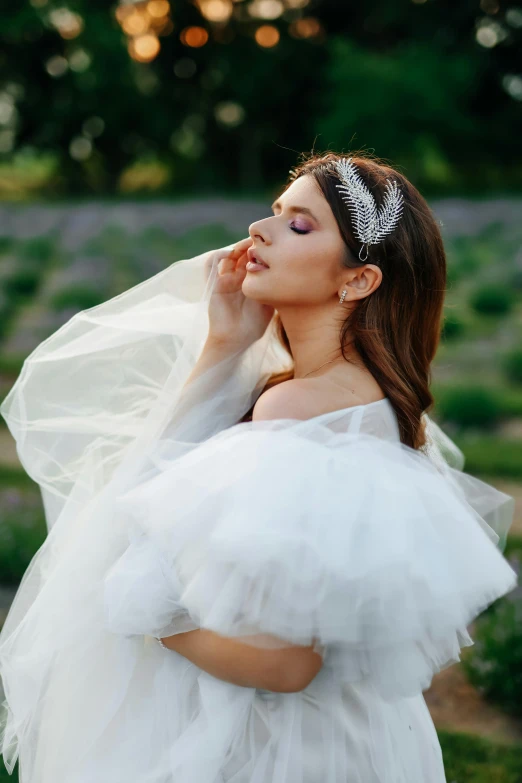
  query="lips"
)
[{"x": 254, "y": 256}]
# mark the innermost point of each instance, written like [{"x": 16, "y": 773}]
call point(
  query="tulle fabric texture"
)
[{"x": 166, "y": 515}]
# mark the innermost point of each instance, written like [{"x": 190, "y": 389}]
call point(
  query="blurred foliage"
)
[
  {"x": 407, "y": 99},
  {"x": 436, "y": 86},
  {"x": 512, "y": 365},
  {"x": 470, "y": 759},
  {"x": 491, "y": 456},
  {"x": 470, "y": 406},
  {"x": 79, "y": 297},
  {"x": 22, "y": 531},
  {"x": 492, "y": 300},
  {"x": 453, "y": 327}
]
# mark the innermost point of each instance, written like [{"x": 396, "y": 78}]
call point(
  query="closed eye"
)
[{"x": 299, "y": 230}]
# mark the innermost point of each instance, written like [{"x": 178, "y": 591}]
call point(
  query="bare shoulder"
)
[{"x": 291, "y": 399}]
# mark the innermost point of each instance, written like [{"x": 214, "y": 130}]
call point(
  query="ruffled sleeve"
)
[{"x": 346, "y": 541}]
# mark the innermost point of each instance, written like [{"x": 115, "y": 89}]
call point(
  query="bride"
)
[{"x": 260, "y": 546}]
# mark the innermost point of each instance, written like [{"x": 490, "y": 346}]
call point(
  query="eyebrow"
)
[{"x": 296, "y": 209}]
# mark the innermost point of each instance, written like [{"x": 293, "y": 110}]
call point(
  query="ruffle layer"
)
[{"x": 352, "y": 543}]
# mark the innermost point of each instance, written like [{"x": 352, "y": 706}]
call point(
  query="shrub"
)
[
  {"x": 39, "y": 249},
  {"x": 492, "y": 299},
  {"x": 80, "y": 297},
  {"x": 489, "y": 456},
  {"x": 6, "y": 244},
  {"x": 23, "y": 283},
  {"x": 512, "y": 365},
  {"x": 22, "y": 530},
  {"x": 515, "y": 279},
  {"x": 453, "y": 327},
  {"x": 470, "y": 406}
]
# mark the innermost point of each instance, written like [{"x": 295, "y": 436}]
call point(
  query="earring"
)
[{"x": 341, "y": 299}]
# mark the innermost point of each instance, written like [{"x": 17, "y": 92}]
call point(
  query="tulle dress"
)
[
  {"x": 167, "y": 514},
  {"x": 325, "y": 531}
]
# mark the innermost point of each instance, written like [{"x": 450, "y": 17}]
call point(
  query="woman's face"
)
[{"x": 302, "y": 246}]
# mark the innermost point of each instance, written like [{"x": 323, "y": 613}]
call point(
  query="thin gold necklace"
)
[{"x": 318, "y": 368}]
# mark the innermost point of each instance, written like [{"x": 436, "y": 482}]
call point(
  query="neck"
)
[{"x": 313, "y": 334}]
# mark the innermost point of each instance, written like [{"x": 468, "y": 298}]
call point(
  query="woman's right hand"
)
[{"x": 234, "y": 319}]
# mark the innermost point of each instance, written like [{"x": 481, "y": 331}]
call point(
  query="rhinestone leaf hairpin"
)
[{"x": 371, "y": 224}]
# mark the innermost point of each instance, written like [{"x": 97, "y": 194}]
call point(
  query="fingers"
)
[
  {"x": 228, "y": 260},
  {"x": 241, "y": 247}
]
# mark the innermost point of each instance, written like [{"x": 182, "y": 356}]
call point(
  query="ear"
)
[{"x": 362, "y": 281}]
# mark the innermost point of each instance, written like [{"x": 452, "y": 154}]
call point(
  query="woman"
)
[{"x": 261, "y": 548}]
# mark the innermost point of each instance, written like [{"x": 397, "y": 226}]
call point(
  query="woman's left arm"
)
[{"x": 284, "y": 670}]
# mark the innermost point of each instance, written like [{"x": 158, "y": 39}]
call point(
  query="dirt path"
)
[
  {"x": 456, "y": 705},
  {"x": 8, "y": 454}
]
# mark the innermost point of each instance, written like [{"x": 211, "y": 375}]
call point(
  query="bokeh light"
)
[
  {"x": 229, "y": 113},
  {"x": 144, "y": 48},
  {"x": 512, "y": 83},
  {"x": 216, "y": 10},
  {"x": 265, "y": 9},
  {"x": 158, "y": 8},
  {"x": 308, "y": 27},
  {"x": 80, "y": 148},
  {"x": 56, "y": 66},
  {"x": 267, "y": 36},
  {"x": 79, "y": 60},
  {"x": 194, "y": 36},
  {"x": 164, "y": 27},
  {"x": 136, "y": 23},
  {"x": 489, "y": 32},
  {"x": 514, "y": 17},
  {"x": 68, "y": 24}
]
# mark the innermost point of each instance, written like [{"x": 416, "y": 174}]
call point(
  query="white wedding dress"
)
[{"x": 326, "y": 531}]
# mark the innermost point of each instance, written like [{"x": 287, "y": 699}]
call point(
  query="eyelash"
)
[{"x": 298, "y": 230}]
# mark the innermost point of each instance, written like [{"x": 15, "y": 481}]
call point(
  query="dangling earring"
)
[{"x": 341, "y": 299}]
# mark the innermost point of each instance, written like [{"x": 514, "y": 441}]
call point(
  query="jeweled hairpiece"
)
[{"x": 371, "y": 224}]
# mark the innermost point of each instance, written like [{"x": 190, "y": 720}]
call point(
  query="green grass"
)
[
  {"x": 513, "y": 546},
  {"x": 471, "y": 759},
  {"x": 492, "y": 456}
]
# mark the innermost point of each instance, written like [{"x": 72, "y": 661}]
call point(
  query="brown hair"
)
[{"x": 396, "y": 329}]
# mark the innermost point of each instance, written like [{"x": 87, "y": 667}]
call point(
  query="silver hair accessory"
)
[{"x": 371, "y": 224}]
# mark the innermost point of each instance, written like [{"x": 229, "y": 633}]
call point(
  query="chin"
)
[
  {"x": 250, "y": 292},
  {"x": 250, "y": 285}
]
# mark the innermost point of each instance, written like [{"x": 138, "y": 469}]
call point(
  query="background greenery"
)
[{"x": 435, "y": 86}]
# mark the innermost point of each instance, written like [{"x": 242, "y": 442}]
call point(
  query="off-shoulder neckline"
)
[{"x": 348, "y": 408}]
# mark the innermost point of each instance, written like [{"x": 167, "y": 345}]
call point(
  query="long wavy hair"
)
[{"x": 396, "y": 329}]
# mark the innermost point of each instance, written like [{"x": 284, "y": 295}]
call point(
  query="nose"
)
[{"x": 258, "y": 230}]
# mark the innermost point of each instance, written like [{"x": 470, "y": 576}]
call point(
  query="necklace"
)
[{"x": 318, "y": 368}]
